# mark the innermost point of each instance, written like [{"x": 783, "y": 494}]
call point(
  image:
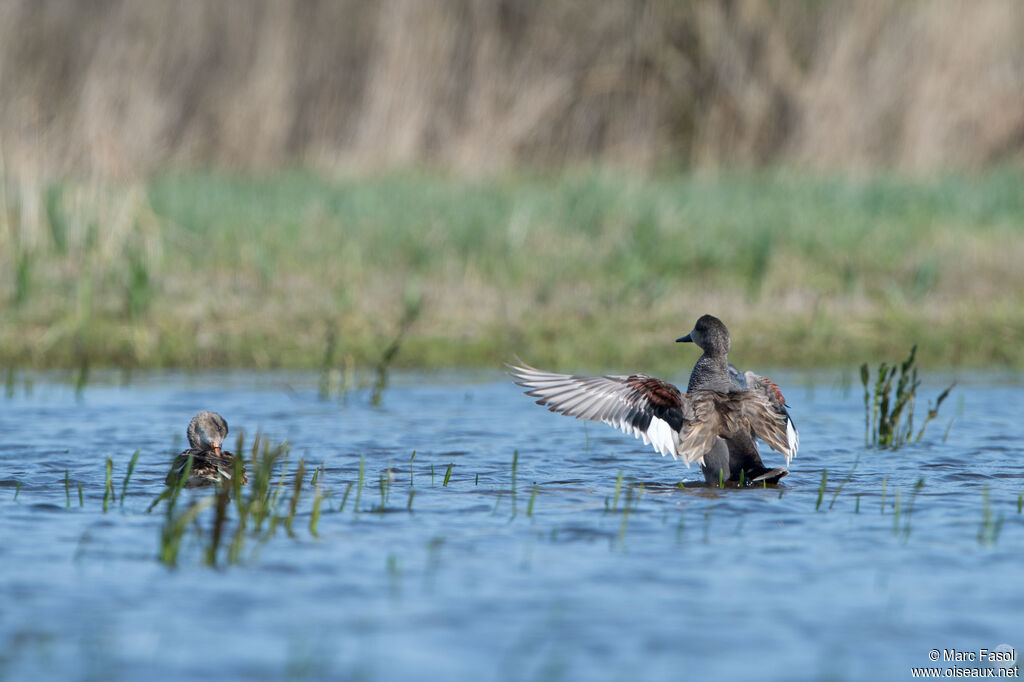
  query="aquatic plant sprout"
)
[{"x": 889, "y": 409}]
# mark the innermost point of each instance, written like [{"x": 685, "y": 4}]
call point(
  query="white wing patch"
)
[
  {"x": 663, "y": 437},
  {"x": 659, "y": 435},
  {"x": 793, "y": 439}
]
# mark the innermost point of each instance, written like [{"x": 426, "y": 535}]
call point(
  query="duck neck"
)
[{"x": 711, "y": 369}]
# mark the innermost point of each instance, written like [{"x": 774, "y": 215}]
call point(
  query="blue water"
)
[{"x": 692, "y": 583}]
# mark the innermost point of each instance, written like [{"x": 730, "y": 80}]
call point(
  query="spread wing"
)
[
  {"x": 768, "y": 392},
  {"x": 724, "y": 414},
  {"x": 640, "y": 405},
  {"x": 684, "y": 425}
]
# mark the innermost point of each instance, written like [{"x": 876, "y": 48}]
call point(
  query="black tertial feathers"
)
[{"x": 654, "y": 398}]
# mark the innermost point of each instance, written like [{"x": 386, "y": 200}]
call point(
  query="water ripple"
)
[{"x": 502, "y": 574}]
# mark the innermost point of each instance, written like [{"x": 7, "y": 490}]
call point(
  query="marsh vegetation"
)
[
  {"x": 889, "y": 408},
  {"x": 300, "y": 271}
]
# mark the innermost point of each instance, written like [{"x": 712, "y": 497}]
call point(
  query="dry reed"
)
[{"x": 482, "y": 85}]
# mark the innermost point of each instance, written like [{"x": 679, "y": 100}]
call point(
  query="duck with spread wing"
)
[{"x": 715, "y": 423}]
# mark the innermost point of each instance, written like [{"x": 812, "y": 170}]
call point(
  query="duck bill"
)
[
  {"x": 684, "y": 339},
  {"x": 216, "y": 449}
]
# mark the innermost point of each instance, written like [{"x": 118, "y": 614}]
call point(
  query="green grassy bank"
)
[{"x": 593, "y": 269}]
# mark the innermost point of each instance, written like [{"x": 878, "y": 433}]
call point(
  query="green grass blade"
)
[
  {"x": 821, "y": 489},
  {"x": 359, "y": 485},
  {"x": 128, "y": 475},
  {"x": 108, "y": 491},
  {"x": 618, "y": 489},
  {"x": 344, "y": 497}
]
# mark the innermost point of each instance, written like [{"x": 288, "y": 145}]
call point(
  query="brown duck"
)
[
  {"x": 210, "y": 464},
  {"x": 714, "y": 423}
]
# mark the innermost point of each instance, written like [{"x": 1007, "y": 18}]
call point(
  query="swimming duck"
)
[
  {"x": 210, "y": 464},
  {"x": 714, "y": 423}
]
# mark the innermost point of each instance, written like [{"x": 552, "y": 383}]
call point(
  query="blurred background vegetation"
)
[{"x": 276, "y": 183}]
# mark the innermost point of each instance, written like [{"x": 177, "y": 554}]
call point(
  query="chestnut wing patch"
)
[
  {"x": 654, "y": 398},
  {"x": 773, "y": 389}
]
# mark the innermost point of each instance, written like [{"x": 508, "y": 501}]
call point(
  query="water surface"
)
[{"x": 478, "y": 583}]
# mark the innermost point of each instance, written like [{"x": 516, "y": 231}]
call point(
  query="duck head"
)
[
  {"x": 710, "y": 334},
  {"x": 207, "y": 431}
]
